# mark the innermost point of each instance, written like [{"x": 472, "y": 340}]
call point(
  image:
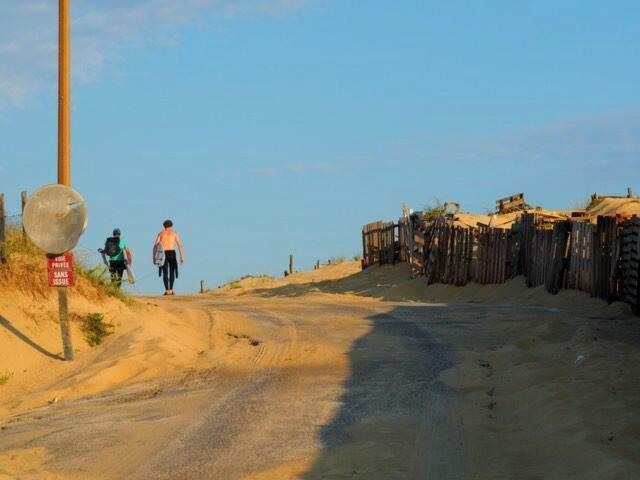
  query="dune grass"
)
[{"x": 26, "y": 267}]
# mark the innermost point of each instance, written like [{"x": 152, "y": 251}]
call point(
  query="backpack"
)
[{"x": 112, "y": 247}]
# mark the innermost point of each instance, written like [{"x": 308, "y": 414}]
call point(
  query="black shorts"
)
[{"x": 117, "y": 267}]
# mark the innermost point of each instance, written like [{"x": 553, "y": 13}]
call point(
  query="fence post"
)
[
  {"x": 201, "y": 286},
  {"x": 290, "y": 264},
  {"x": 3, "y": 258},
  {"x": 23, "y": 197},
  {"x": 317, "y": 264}
]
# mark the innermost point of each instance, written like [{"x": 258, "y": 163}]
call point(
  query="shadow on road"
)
[
  {"x": 393, "y": 392},
  {"x": 9, "y": 326}
]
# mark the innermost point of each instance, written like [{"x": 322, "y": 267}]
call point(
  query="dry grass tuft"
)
[
  {"x": 5, "y": 377},
  {"x": 25, "y": 269}
]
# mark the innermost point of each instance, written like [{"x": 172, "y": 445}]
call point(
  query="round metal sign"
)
[{"x": 54, "y": 218}]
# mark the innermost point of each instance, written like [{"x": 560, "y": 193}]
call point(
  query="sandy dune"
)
[{"x": 332, "y": 374}]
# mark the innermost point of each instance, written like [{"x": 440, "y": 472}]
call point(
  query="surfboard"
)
[
  {"x": 131, "y": 278},
  {"x": 158, "y": 255}
]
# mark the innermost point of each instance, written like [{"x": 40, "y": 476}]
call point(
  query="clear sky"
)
[{"x": 269, "y": 127}]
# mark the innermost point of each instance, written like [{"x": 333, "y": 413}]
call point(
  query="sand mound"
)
[
  {"x": 147, "y": 342},
  {"x": 609, "y": 206},
  {"x": 325, "y": 274},
  {"x": 394, "y": 283}
]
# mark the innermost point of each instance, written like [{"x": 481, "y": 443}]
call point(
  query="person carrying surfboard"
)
[
  {"x": 164, "y": 255},
  {"x": 116, "y": 249}
]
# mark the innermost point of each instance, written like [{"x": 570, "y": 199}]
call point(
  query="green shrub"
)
[
  {"x": 95, "y": 329},
  {"x": 433, "y": 210}
]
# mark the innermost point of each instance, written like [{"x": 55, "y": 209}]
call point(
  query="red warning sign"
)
[{"x": 60, "y": 270}]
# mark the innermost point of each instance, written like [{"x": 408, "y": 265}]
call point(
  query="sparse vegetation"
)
[
  {"x": 433, "y": 210},
  {"x": 18, "y": 245},
  {"x": 95, "y": 329},
  {"x": 337, "y": 260},
  {"x": 25, "y": 270},
  {"x": 100, "y": 278},
  {"x": 5, "y": 377}
]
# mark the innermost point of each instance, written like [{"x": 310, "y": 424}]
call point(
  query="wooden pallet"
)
[{"x": 512, "y": 203}]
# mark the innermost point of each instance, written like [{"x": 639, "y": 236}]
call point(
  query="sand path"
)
[
  {"x": 300, "y": 389},
  {"x": 333, "y": 386}
]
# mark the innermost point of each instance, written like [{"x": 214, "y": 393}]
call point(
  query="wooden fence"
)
[
  {"x": 417, "y": 254},
  {"x": 559, "y": 258},
  {"x": 494, "y": 256},
  {"x": 449, "y": 255},
  {"x": 602, "y": 259},
  {"x": 3, "y": 255},
  {"x": 630, "y": 262},
  {"x": 378, "y": 243},
  {"x": 580, "y": 274},
  {"x": 7, "y": 221},
  {"x": 605, "y": 258},
  {"x": 404, "y": 231}
]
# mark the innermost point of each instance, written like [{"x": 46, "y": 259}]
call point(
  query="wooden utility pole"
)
[
  {"x": 64, "y": 95},
  {"x": 290, "y": 264},
  {"x": 64, "y": 148},
  {"x": 3, "y": 253}
]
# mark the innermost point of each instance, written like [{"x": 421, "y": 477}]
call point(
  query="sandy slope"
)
[
  {"x": 149, "y": 342},
  {"x": 332, "y": 374}
]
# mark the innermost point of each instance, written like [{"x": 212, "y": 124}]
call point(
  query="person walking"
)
[
  {"x": 115, "y": 247},
  {"x": 167, "y": 240}
]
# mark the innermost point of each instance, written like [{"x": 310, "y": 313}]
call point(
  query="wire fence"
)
[{"x": 13, "y": 221}]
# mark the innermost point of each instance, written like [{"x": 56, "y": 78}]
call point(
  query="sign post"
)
[
  {"x": 55, "y": 216},
  {"x": 64, "y": 148}
]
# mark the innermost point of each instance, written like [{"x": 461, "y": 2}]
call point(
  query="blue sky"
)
[{"x": 269, "y": 127}]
